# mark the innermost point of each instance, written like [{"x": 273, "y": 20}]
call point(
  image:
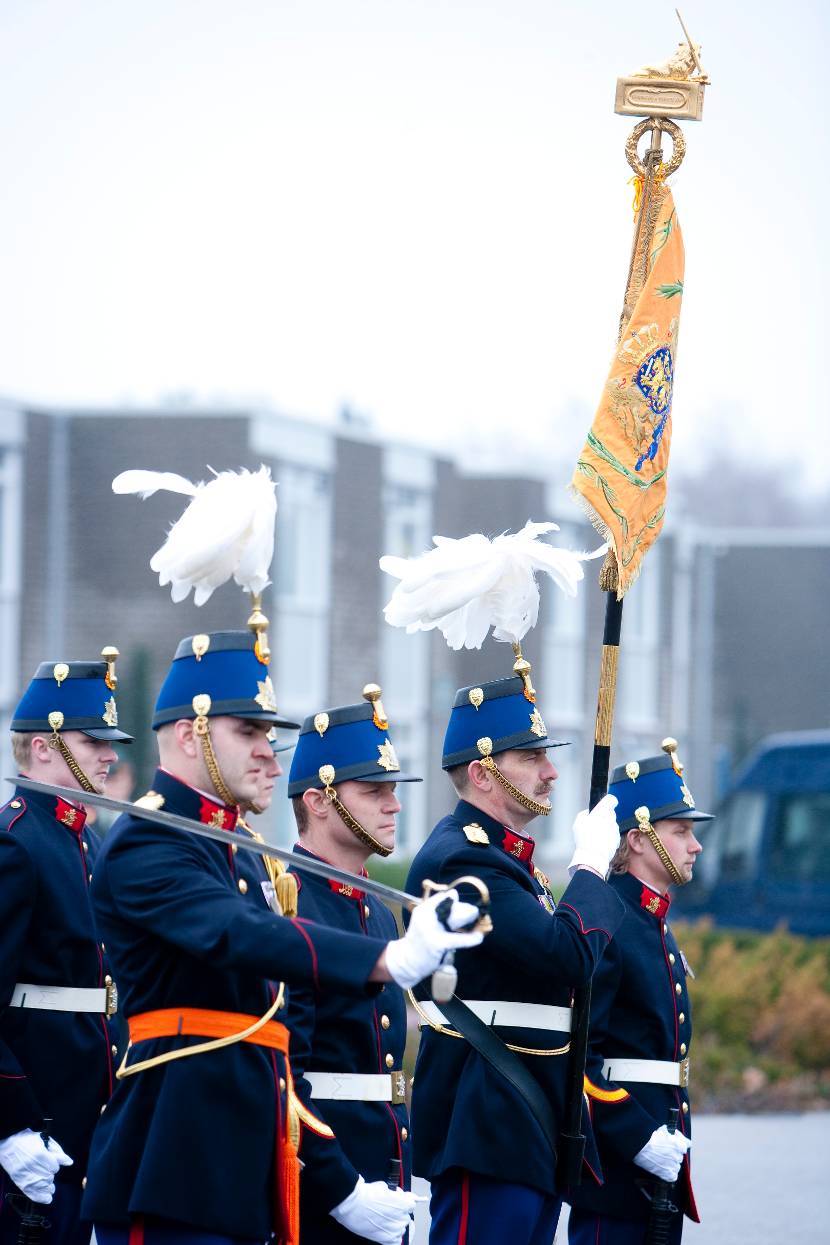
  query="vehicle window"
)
[
  {"x": 800, "y": 849},
  {"x": 732, "y": 842}
]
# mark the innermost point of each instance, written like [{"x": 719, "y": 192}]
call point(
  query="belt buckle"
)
[
  {"x": 398, "y": 1088},
  {"x": 112, "y": 998},
  {"x": 683, "y": 1068}
]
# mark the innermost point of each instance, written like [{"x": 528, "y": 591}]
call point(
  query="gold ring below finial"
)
[{"x": 678, "y": 145}]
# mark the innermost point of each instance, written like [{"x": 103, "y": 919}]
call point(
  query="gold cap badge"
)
[
  {"x": 321, "y": 723},
  {"x": 60, "y": 672},
  {"x": 475, "y": 697},
  {"x": 387, "y": 759}
]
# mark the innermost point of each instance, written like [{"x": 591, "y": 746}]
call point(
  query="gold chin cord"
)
[
  {"x": 202, "y": 728},
  {"x": 532, "y": 806},
  {"x": 83, "y": 781},
  {"x": 645, "y": 827},
  {"x": 359, "y": 832}
]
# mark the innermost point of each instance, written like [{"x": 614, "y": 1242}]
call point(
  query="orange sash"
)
[{"x": 201, "y": 1022}]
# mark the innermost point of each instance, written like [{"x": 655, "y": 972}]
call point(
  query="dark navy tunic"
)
[
  {"x": 346, "y": 1033},
  {"x": 193, "y": 1141},
  {"x": 464, "y": 1114},
  {"x": 640, "y": 1009},
  {"x": 53, "y": 1064}
]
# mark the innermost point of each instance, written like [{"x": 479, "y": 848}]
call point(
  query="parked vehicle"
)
[{"x": 766, "y": 858}]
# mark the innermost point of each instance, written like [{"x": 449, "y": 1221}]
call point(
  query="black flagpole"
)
[
  {"x": 573, "y": 1137},
  {"x": 572, "y": 1146}
]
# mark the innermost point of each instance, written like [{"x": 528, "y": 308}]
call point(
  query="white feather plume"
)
[
  {"x": 226, "y": 531},
  {"x": 465, "y": 587}
]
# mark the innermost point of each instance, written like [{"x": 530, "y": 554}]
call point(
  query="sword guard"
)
[{"x": 484, "y": 923}]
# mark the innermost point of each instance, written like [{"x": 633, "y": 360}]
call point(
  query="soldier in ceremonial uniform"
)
[
  {"x": 476, "y": 1137},
  {"x": 57, "y": 1044},
  {"x": 347, "y": 1051},
  {"x": 199, "y": 1141},
  {"x": 641, "y": 1023}
]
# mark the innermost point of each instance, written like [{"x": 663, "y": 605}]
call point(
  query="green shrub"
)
[{"x": 761, "y": 1015}]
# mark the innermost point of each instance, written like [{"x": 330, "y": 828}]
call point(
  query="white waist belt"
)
[
  {"x": 652, "y": 1071},
  {"x": 358, "y": 1086},
  {"x": 63, "y": 998},
  {"x": 508, "y": 1015}
]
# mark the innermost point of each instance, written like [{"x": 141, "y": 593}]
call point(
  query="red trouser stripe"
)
[{"x": 465, "y": 1210}]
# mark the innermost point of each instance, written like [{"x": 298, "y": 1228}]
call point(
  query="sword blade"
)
[{"x": 309, "y": 864}]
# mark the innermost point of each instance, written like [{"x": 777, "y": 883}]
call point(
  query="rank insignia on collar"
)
[
  {"x": 110, "y": 714},
  {"x": 387, "y": 759},
  {"x": 265, "y": 697},
  {"x": 537, "y": 725},
  {"x": 656, "y": 905},
  {"x": 474, "y": 833}
]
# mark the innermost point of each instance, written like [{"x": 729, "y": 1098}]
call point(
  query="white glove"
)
[
  {"x": 596, "y": 835},
  {"x": 423, "y": 946},
  {"x": 663, "y": 1153},
  {"x": 376, "y": 1212},
  {"x": 32, "y": 1167}
]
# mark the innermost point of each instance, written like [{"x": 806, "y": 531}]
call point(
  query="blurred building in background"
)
[{"x": 723, "y": 635}]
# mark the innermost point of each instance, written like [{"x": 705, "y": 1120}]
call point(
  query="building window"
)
[
  {"x": 11, "y": 536},
  {"x": 302, "y": 574},
  {"x": 562, "y": 678},
  {"x": 639, "y": 682},
  {"x": 404, "y": 661}
]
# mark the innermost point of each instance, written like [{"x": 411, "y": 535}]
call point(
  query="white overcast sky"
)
[{"x": 415, "y": 207}]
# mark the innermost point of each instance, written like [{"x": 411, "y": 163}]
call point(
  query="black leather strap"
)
[{"x": 506, "y": 1062}]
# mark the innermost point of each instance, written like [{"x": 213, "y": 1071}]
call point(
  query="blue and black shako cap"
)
[
  {"x": 500, "y": 711},
  {"x": 223, "y": 666},
  {"x": 71, "y": 696},
  {"x": 352, "y": 741},
  {"x": 656, "y": 783}
]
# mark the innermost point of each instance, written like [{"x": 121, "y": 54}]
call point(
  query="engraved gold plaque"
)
[
  {"x": 660, "y": 97},
  {"x": 476, "y": 697},
  {"x": 60, "y": 672},
  {"x": 321, "y": 723}
]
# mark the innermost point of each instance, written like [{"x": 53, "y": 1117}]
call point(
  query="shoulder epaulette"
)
[
  {"x": 475, "y": 834},
  {"x": 11, "y": 812}
]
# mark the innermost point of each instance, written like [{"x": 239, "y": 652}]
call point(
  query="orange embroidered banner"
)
[{"x": 621, "y": 473}]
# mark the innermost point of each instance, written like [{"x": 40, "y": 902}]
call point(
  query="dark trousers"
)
[
  {"x": 588, "y": 1228},
  {"x": 468, "y": 1209},
  {"x": 162, "y": 1232},
  {"x": 63, "y": 1214}
]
